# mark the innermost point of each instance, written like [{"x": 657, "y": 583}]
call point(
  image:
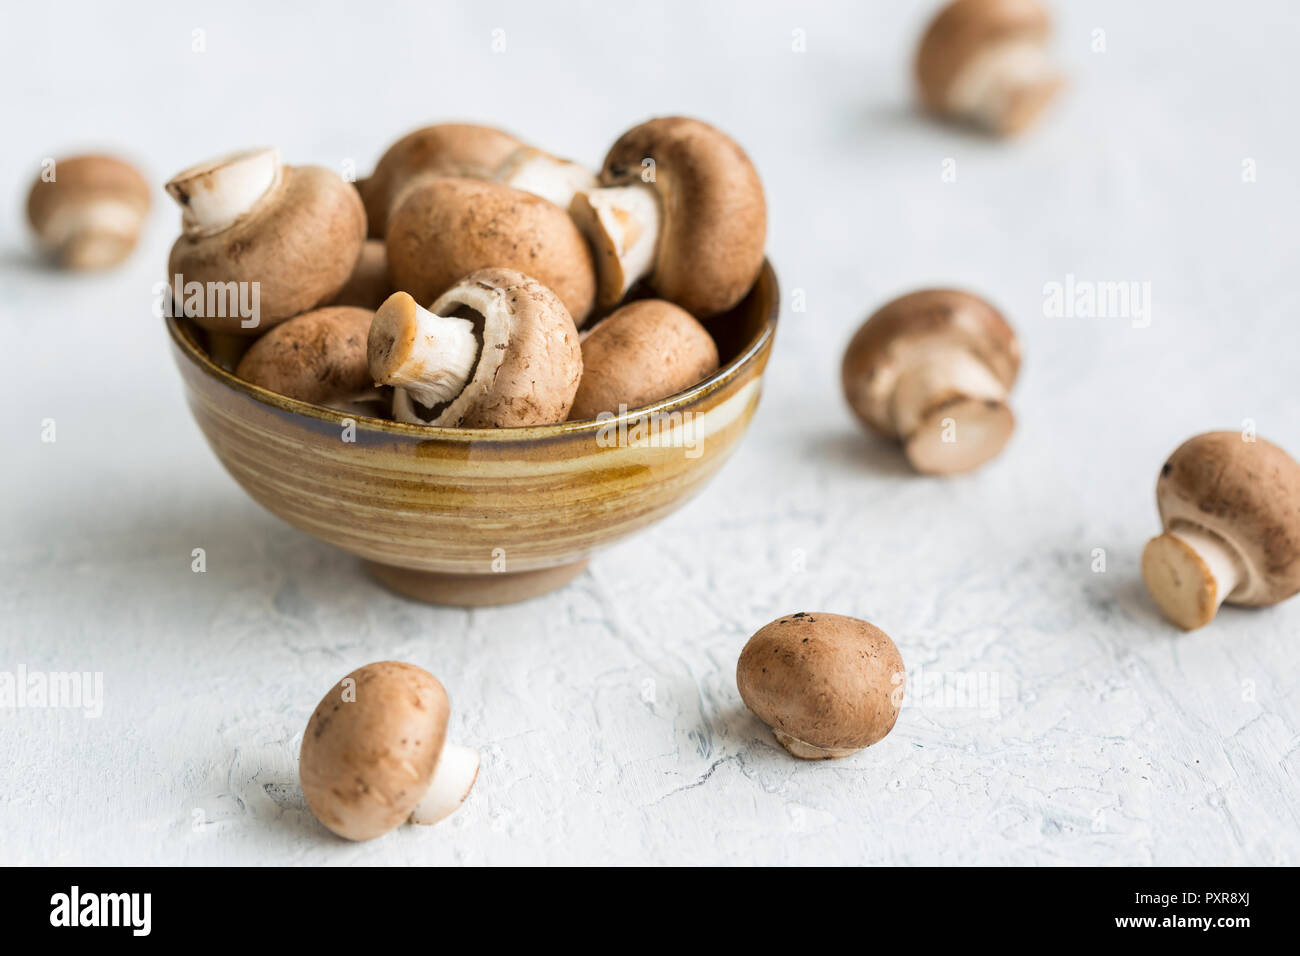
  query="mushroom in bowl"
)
[
  {"x": 477, "y": 516},
  {"x": 470, "y": 151},
  {"x": 681, "y": 207},
  {"x": 496, "y": 350}
]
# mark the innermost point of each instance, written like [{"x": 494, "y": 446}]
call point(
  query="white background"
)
[{"x": 607, "y": 713}]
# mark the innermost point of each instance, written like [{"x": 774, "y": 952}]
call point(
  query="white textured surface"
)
[{"x": 608, "y": 715}]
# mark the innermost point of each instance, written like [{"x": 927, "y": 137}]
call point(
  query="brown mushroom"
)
[
  {"x": 87, "y": 211},
  {"x": 986, "y": 62},
  {"x": 465, "y": 151},
  {"x": 645, "y": 351},
  {"x": 374, "y": 754},
  {"x": 1230, "y": 506},
  {"x": 496, "y": 350},
  {"x": 826, "y": 684},
  {"x": 317, "y": 357},
  {"x": 445, "y": 228},
  {"x": 369, "y": 285},
  {"x": 932, "y": 369},
  {"x": 447, "y": 149},
  {"x": 286, "y": 237},
  {"x": 681, "y": 206}
]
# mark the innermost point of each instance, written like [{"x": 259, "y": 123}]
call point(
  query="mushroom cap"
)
[
  {"x": 929, "y": 318},
  {"x": 369, "y": 285},
  {"x": 643, "y": 352},
  {"x": 366, "y": 762},
  {"x": 714, "y": 215},
  {"x": 317, "y": 357},
  {"x": 1247, "y": 493},
  {"x": 831, "y": 681},
  {"x": 446, "y": 149},
  {"x": 963, "y": 29},
  {"x": 80, "y": 181},
  {"x": 445, "y": 228},
  {"x": 530, "y": 360},
  {"x": 299, "y": 243}
]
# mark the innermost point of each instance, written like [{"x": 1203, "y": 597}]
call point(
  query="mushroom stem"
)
[
  {"x": 1005, "y": 86},
  {"x": 93, "y": 234},
  {"x": 216, "y": 194},
  {"x": 453, "y": 779},
  {"x": 938, "y": 375},
  {"x": 806, "y": 751},
  {"x": 622, "y": 223},
  {"x": 950, "y": 410},
  {"x": 554, "y": 179},
  {"x": 430, "y": 356},
  {"x": 1190, "y": 571}
]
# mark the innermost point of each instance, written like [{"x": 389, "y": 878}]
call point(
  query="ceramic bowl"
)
[{"x": 480, "y": 516}]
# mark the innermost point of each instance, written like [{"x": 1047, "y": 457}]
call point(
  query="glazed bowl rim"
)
[{"x": 293, "y": 406}]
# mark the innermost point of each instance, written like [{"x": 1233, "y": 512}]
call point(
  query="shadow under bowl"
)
[{"x": 480, "y": 516}]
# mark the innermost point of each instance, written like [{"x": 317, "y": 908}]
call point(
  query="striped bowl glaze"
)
[{"x": 480, "y": 516}]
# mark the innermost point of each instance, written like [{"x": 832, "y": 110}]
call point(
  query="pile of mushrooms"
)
[{"x": 449, "y": 288}]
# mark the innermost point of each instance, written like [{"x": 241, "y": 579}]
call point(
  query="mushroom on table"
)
[
  {"x": 681, "y": 206},
  {"x": 1230, "y": 506},
  {"x": 986, "y": 62},
  {"x": 87, "y": 211},
  {"x": 932, "y": 369},
  {"x": 497, "y": 350},
  {"x": 827, "y": 685},
  {"x": 375, "y": 753}
]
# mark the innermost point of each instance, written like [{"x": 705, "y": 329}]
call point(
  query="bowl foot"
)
[{"x": 473, "y": 590}]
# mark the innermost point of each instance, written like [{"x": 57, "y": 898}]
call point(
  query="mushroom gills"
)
[
  {"x": 555, "y": 180},
  {"x": 216, "y": 194},
  {"x": 1005, "y": 86},
  {"x": 623, "y": 224},
  {"x": 452, "y": 781},
  {"x": 428, "y": 358},
  {"x": 1190, "y": 572},
  {"x": 950, "y": 410}
]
